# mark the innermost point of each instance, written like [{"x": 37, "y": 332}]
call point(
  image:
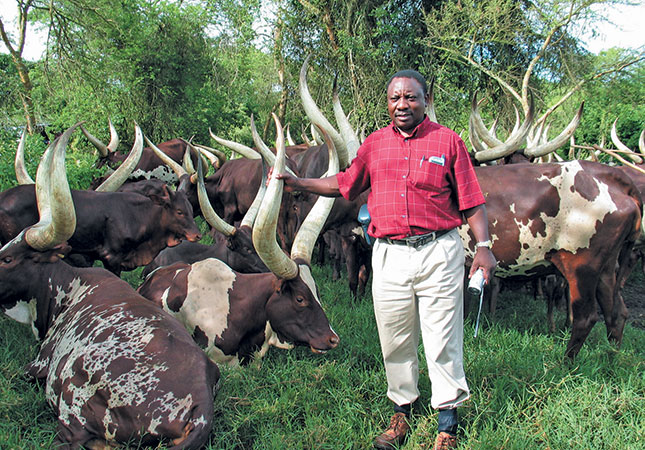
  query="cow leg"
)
[
  {"x": 75, "y": 436},
  {"x": 351, "y": 263},
  {"x": 584, "y": 318},
  {"x": 493, "y": 293},
  {"x": 549, "y": 313},
  {"x": 322, "y": 248},
  {"x": 583, "y": 281},
  {"x": 610, "y": 286},
  {"x": 365, "y": 270}
]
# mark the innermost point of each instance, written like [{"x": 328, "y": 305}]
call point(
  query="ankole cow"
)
[
  {"x": 116, "y": 368},
  {"x": 231, "y": 314},
  {"x": 578, "y": 218}
]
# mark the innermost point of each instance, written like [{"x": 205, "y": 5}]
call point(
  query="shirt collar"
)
[{"x": 418, "y": 130}]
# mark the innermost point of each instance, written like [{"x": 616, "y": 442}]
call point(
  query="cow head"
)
[
  {"x": 178, "y": 215},
  {"x": 296, "y": 315}
]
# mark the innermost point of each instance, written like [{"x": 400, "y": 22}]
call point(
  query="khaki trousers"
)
[{"x": 421, "y": 290}]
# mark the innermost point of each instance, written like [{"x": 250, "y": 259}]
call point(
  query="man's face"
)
[{"x": 406, "y": 103}]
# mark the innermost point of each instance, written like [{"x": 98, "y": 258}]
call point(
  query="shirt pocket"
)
[{"x": 429, "y": 174}]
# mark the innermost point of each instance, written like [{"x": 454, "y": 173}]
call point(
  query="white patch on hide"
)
[
  {"x": 570, "y": 230},
  {"x": 163, "y": 173},
  {"x": 23, "y": 312},
  {"x": 207, "y": 302}
]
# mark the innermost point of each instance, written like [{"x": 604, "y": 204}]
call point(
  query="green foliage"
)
[
  {"x": 618, "y": 97},
  {"x": 10, "y": 89}
]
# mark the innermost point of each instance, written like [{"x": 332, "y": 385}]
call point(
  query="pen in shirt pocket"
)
[{"x": 421, "y": 161}]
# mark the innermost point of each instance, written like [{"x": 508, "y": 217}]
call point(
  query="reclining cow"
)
[
  {"x": 232, "y": 315},
  {"x": 115, "y": 367}
]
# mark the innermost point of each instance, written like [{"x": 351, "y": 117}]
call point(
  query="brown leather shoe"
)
[
  {"x": 445, "y": 441},
  {"x": 395, "y": 434}
]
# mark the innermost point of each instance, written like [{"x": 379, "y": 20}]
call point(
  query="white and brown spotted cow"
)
[
  {"x": 579, "y": 218},
  {"x": 116, "y": 368},
  {"x": 231, "y": 314}
]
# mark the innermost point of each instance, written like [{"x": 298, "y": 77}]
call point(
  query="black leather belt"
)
[{"x": 417, "y": 241}]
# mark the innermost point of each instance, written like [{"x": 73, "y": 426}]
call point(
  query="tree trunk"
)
[{"x": 23, "y": 71}]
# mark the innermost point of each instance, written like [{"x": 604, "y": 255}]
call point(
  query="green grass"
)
[{"x": 525, "y": 394}]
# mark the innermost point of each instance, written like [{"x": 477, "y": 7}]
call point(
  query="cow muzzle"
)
[{"x": 332, "y": 342}]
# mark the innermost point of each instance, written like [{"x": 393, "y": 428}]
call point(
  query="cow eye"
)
[
  {"x": 300, "y": 299},
  {"x": 180, "y": 212},
  {"x": 7, "y": 259}
]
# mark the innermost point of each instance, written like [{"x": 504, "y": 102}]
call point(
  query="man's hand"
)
[
  {"x": 290, "y": 182},
  {"x": 485, "y": 260},
  {"x": 327, "y": 186}
]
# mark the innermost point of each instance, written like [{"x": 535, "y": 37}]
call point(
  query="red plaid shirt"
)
[{"x": 419, "y": 184}]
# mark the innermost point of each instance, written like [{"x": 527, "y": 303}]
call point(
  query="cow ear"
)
[
  {"x": 53, "y": 254},
  {"x": 280, "y": 285},
  {"x": 163, "y": 198}
]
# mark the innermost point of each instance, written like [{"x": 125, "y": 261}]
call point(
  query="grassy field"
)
[{"x": 525, "y": 394}]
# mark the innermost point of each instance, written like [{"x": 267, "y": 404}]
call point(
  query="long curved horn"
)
[
  {"x": 264, "y": 150},
  {"x": 620, "y": 146},
  {"x": 252, "y": 212},
  {"x": 430, "y": 112},
  {"x": 479, "y": 128},
  {"x": 305, "y": 138},
  {"x": 21, "y": 171},
  {"x": 317, "y": 117},
  {"x": 511, "y": 145},
  {"x": 318, "y": 139},
  {"x": 208, "y": 212},
  {"x": 214, "y": 156},
  {"x": 346, "y": 131},
  {"x": 121, "y": 174},
  {"x": 477, "y": 145},
  {"x": 103, "y": 149},
  {"x": 187, "y": 161},
  {"x": 558, "y": 141},
  {"x": 264, "y": 231},
  {"x": 290, "y": 140},
  {"x": 242, "y": 149},
  {"x": 179, "y": 171},
  {"x": 55, "y": 205},
  {"x": 303, "y": 243}
]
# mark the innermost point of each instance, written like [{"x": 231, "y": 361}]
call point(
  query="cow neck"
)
[{"x": 49, "y": 302}]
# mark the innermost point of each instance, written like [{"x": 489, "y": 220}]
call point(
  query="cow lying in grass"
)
[
  {"x": 232, "y": 315},
  {"x": 116, "y": 368}
]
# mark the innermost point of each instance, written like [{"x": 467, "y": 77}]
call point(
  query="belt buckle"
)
[{"x": 420, "y": 240}]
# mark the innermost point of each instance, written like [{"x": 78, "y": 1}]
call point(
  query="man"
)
[{"x": 423, "y": 185}]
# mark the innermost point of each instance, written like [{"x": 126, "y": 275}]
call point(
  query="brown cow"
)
[
  {"x": 578, "y": 218},
  {"x": 113, "y": 364}
]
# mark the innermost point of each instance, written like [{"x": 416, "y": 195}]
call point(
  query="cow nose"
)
[{"x": 334, "y": 340}]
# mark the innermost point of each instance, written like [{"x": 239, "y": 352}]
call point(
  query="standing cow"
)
[
  {"x": 115, "y": 366},
  {"x": 578, "y": 218}
]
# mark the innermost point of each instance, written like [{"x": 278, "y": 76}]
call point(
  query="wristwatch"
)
[{"x": 488, "y": 244}]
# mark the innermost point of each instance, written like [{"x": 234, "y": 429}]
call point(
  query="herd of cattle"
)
[{"x": 112, "y": 357}]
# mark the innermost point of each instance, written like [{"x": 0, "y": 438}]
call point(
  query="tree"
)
[
  {"x": 16, "y": 49},
  {"x": 523, "y": 46}
]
